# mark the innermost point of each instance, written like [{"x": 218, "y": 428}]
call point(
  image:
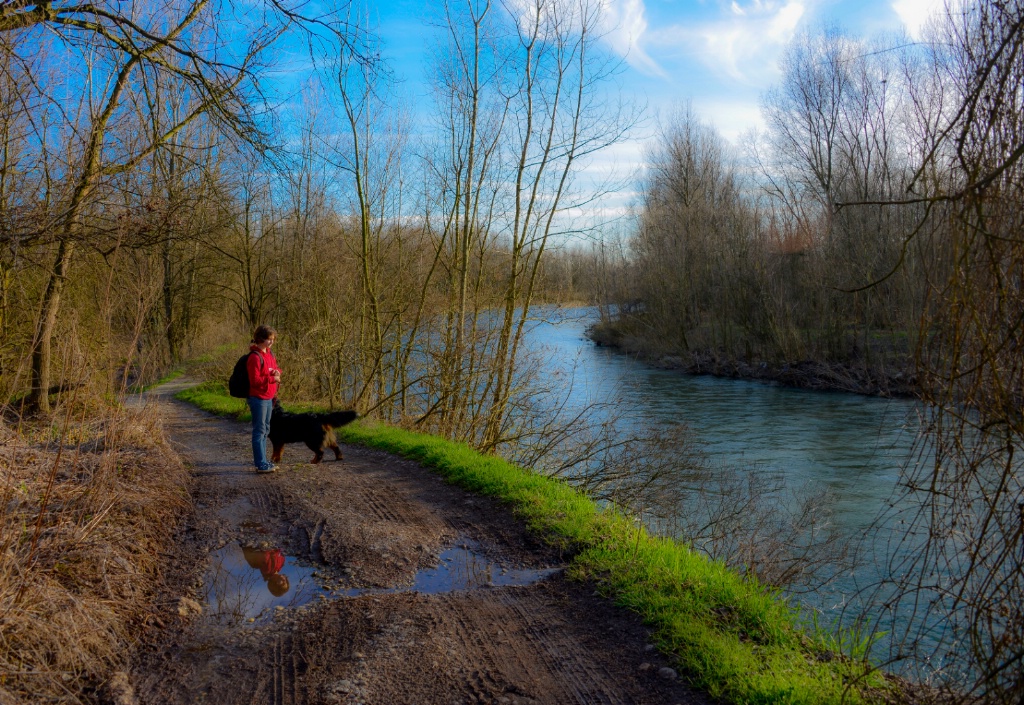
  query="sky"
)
[{"x": 719, "y": 56}]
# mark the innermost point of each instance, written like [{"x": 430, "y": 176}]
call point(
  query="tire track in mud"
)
[
  {"x": 267, "y": 499},
  {"x": 355, "y": 520},
  {"x": 519, "y": 645},
  {"x": 373, "y": 521},
  {"x": 285, "y": 688},
  {"x": 561, "y": 654}
]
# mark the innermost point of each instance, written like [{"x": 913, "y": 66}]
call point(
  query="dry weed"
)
[{"x": 85, "y": 506}]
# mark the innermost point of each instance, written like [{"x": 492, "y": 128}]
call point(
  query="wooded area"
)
[
  {"x": 169, "y": 206},
  {"x": 874, "y": 227},
  {"x": 158, "y": 200},
  {"x": 791, "y": 250}
]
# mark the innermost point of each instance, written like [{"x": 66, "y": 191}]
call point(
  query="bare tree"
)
[
  {"x": 960, "y": 562},
  {"x": 248, "y": 241},
  {"x": 517, "y": 91},
  {"x": 129, "y": 55}
]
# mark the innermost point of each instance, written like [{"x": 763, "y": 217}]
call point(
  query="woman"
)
[{"x": 264, "y": 376}]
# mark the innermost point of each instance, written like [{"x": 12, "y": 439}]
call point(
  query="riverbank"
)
[
  {"x": 130, "y": 550},
  {"x": 730, "y": 637},
  {"x": 885, "y": 379}
]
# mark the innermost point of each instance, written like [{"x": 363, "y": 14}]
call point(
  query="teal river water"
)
[{"x": 852, "y": 444}]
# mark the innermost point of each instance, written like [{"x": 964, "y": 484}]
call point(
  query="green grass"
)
[
  {"x": 214, "y": 397},
  {"x": 217, "y": 352},
  {"x": 172, "y": 375},
  {"x": 728, "y": 635}
]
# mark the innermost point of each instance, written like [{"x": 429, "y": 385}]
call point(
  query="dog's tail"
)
[{"x": 335, "y": 419}]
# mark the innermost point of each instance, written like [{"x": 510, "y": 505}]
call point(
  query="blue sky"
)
[{"x": 720, "y": 55}]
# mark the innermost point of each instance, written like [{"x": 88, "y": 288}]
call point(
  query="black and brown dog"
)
[{"x": 315, "y": 430}]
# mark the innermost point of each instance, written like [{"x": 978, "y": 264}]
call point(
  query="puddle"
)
[
  {"x": 244, "y": 584},
  {"x": 250, "y": 584},
  {"x": 461, "y": 568}
]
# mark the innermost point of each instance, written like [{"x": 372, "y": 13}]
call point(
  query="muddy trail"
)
[{"x": 370, "y": 580}]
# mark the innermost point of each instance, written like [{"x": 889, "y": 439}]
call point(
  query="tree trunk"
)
[{"x": 39, "y": 398}]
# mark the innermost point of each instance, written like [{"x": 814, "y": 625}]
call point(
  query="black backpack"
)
[{"x": 238, "y": 382}]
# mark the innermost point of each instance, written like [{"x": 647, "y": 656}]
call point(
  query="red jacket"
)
[
  {"x": 273, "y": 562},
  {"x": 260, "y": 365}
]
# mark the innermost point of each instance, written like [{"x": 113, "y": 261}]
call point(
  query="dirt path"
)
[{"x": 401, "y": 589}]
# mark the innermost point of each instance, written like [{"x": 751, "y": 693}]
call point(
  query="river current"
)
[{"x": 853, "y": 445}]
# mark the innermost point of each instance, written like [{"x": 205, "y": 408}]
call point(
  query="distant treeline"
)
[{"x": 824, "y": 239}]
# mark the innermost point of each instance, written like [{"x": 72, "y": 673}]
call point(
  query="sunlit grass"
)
[
  {"x": 727, "y": 634},
  {"x": 169, "y": 377},
  {"x": 214, "y": 397}
]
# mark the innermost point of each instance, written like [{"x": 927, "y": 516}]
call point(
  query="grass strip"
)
[
  {"x": 169, "y": 377},
  {"x": 736, "y": 639},
  {"x": 214, "y": 397}
]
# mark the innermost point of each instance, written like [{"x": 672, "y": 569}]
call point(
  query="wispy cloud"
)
[
  {"x": 731, "y": 118},
  {"x": 624, "y": 23},
  {"x": 915, "y": 14},
  {"x": 744, "y": 41}
]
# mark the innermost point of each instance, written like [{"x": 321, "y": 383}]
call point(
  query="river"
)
[{"x": 852, "y": 444}]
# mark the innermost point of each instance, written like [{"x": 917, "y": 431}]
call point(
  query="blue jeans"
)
[{"x": 261, "y": 410}]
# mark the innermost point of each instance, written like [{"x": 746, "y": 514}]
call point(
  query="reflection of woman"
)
[{"x": 269, "y": 563}]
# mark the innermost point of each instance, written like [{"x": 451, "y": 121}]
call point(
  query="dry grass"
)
[{"x": 85, "y": 506}]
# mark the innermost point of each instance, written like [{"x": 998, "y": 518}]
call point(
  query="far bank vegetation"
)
[{"x": 811, "y": 252}]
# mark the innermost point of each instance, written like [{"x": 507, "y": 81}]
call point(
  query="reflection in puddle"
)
[
  {"x": 463, "y": 569},
  {"x": 247, "y": 584},
  {"x": 270, "y": 563}
]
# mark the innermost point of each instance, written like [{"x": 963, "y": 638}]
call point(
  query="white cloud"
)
[
  {"x": 624, "y": 23},
  {"x": 611, "y": 175},
  {"x": 743, "y": 44},
  {"x": 915, "y": 13},
  {"x": 731, "y": 118},
  {"x": 579, "y": 219},
  {"x": 618, "y": 160}
]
